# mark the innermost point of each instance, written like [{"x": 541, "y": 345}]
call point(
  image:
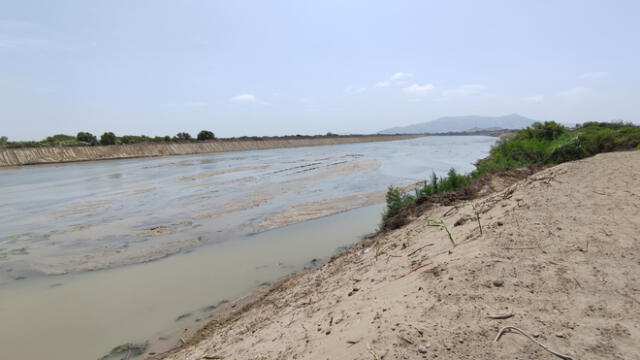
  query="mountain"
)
[{"x": 463, "y": 123}]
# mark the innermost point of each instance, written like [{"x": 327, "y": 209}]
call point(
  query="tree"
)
[
  {"x": 183, "y": 136},
  {"x": 205, "y": 135},
  {"x": 4, "y": 139},
  {"x": 58, "y": 138},
  {"x": 87, "y": 137},
  {"x": 108, "y": 138}
]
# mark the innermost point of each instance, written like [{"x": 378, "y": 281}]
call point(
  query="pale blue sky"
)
[{"x": 287, "y": 67}]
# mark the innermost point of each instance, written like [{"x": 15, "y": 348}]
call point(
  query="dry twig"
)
[
  {"x": 501, "y": 316},
  {"x": 512, "y": 328},
  {"x": 418, "y": 249}
]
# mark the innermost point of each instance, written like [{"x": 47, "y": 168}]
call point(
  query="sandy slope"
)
[{"x": 564, "y": 246}]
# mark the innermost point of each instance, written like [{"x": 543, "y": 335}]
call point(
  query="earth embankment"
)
[{"x": 45, "y": 155}]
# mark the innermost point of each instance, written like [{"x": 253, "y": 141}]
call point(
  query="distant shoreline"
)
[{"x": 59, "y": 154}]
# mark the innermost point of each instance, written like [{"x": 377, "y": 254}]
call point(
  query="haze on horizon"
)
[{"x": 292, "y": 67}]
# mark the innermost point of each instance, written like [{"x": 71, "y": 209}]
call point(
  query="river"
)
[{"x": 98, "y": 254}]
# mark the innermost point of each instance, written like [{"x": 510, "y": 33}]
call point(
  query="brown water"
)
[{"x": 83, "y": 316}]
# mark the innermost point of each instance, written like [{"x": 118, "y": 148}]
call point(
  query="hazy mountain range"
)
[{"x": 463, "y": 123}]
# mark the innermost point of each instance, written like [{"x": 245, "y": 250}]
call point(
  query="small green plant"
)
[
  {"x": 441, "y": 225},
  {"x": 396, "y": 199},
  {"x": 378, "y": 249},
  {"x": 476, "y": 213}
]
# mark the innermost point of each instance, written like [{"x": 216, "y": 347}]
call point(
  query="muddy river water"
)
[{"x": 98, "y": 254}]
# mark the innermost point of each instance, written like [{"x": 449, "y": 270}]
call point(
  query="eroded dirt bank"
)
[
  {"x": 558, "y": 257},
  {"x": 44, "y": 155}
]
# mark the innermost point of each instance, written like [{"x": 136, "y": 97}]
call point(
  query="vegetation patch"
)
[
  {"x": 537, "y": 146},
  {"x": 108, "y": 138}
]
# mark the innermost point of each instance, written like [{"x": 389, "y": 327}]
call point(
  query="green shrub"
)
[
  {"x": 108, "y": 138},
  {"x": 396, "y": 200},
  {"x": 87, "y": 137},
  {"x": 183, "y": 136},
  {"x": 547, "y": 131},
  {"x": 205, "y": 135},
  {"x": 577, "y": 147}
]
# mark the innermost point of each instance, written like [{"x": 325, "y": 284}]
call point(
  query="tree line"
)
[{"x": 84, "y": 138}]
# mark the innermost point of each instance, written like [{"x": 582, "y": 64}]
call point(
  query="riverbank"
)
[
  {"x": 557, "y": 257},
  {"x": 48, "y": 155}
]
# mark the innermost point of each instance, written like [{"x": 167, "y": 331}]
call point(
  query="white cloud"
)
[
  {"x": 417, "y": 89},
  {"x": 248, "y": 98},
  {"x": 573, "y": 92},
  {"x": 535, "y": 99},
  {"x": 594, "y": 75},
  {"x": 350, "y": 90},
  {"x": 400, "y": 76},
  {"x": 464, "y": 90}
]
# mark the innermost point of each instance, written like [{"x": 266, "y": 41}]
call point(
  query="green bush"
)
[
  {"x": 59, "y": 138},
  {"x": 396, "y": 200},
  {"x": 108, "y": 138},
  {"x": 182, "y": 136},
  {"x": 205, "y": 135},
  {"x": 87, "y": 137},
  {"x": 547, "y": 131}
]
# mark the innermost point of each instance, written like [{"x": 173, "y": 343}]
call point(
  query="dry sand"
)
[{"x": 559, "y": 258}]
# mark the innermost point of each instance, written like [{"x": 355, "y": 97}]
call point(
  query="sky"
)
[{"x": 237, "y": 67}]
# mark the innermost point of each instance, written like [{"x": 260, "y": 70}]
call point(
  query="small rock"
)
[
  {"x": 422, "y": 349},
  {"x": 560, "y": 335},
  {"x": 535, "y": 335},
  {"x": 498, "y": 283}
]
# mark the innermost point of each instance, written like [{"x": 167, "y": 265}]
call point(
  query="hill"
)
[{"x": 463, "y": 124}]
